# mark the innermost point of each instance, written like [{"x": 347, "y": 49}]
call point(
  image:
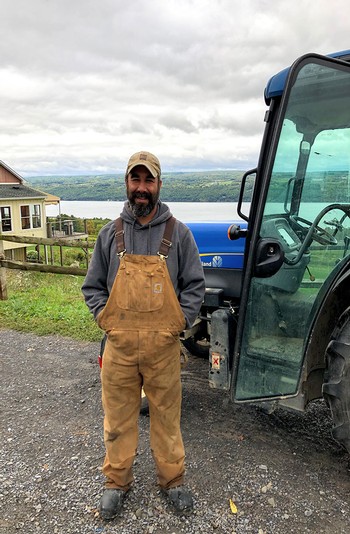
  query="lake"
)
[{"x": 184, "y": 211}]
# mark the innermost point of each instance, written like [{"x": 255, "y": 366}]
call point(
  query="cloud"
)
[{"x": 86, "y": 83}]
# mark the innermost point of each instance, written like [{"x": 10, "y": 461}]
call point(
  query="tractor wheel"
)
[
  {"x": 336, "y": 387},
  {"x": 197, "y": 347}
]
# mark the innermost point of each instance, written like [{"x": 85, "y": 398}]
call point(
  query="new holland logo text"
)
[{"x": 216, "y": 261}]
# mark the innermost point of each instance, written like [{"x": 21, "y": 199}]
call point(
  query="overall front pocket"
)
[{"x": 141, "y": 289}]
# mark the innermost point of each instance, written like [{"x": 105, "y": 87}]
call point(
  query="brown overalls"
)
[{"x": 143, "y": 319}]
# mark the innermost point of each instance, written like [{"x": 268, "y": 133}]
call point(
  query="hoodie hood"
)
[
  {"x": 162, "y": 214},
  {"x": 138, "y": 233}
]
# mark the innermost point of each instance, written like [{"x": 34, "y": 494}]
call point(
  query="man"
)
[{"x": 144, "y": 285}]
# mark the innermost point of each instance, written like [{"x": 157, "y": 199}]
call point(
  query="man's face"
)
[{"x": 142, "y": 191}]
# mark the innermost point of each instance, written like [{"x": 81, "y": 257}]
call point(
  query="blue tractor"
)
[{"x": 275, "y": 321}]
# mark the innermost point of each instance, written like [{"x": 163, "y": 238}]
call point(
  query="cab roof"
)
[{"x": 277, "y": 83}]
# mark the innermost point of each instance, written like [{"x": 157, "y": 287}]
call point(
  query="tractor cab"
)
[{"x": 296, "y": 275}]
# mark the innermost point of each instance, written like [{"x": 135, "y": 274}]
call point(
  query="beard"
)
[{"x": 142, "y": 210}]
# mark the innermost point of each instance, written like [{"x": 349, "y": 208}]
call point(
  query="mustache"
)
[{"x": 147, "y": 196}]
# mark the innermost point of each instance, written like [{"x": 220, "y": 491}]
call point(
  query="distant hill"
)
[{"x": 211, "y": 186}]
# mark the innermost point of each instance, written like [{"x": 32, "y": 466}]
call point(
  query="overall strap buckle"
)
[{"x": 121, "y": 254}]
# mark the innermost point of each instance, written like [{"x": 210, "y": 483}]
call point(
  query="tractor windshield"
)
[{"x": 307, "y": 209}]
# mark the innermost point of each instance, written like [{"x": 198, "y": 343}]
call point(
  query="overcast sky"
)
[{"x": 85, "y": 83}]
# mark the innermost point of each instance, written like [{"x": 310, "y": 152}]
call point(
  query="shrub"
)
[{"x": 32, "y": 256}]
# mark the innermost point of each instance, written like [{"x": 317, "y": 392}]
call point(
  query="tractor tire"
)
[
  {"x": 336, "y": 386},
  {"x": 197, "y": 347}
]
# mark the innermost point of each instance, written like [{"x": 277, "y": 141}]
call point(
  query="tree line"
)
[
  {"x": 210, "y": 186},
  {"x": 214, "y": 186}
]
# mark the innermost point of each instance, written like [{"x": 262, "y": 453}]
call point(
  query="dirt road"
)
[{"x": 283, "y": 472}]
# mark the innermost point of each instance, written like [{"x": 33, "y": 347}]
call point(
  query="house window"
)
[
  {"x": 31, "y": 216},
  {"x": 36, "y": 216},
  {"x": 5, "y": 218},
  {"x": 25, "y": 217}
]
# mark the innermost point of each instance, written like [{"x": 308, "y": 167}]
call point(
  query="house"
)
[{"x": 22, "y": 211}]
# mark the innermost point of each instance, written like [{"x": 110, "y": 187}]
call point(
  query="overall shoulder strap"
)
[
  {"x": 166, "y": 243},
  {"x": 119, "y": 235}
]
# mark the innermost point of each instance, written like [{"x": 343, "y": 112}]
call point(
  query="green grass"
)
[{"x": 45, "y": 303}]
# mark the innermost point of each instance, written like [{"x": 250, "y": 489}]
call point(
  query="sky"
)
[{"x": 86, "y": 83}]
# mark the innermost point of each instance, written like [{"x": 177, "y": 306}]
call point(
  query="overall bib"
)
[{"x": 143, "y": 319}]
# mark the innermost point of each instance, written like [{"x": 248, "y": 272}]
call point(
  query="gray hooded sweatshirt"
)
[{"x": 183, "y": 263}]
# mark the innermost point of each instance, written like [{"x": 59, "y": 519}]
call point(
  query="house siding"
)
[
  {"x": 17, "y": 229},
  {"x": 6, "y": 177},
  {"x": 12, "y": 197}
]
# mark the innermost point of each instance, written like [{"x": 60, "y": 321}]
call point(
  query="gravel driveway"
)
[{"x": 283, "y": 471}]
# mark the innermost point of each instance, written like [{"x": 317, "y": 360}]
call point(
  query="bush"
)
[
  {"x": 72, "y": 255},
  {"x": 32, "y": 256}
]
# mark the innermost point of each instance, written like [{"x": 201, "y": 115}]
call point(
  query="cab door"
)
[{"x": 298, "y": 229}]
